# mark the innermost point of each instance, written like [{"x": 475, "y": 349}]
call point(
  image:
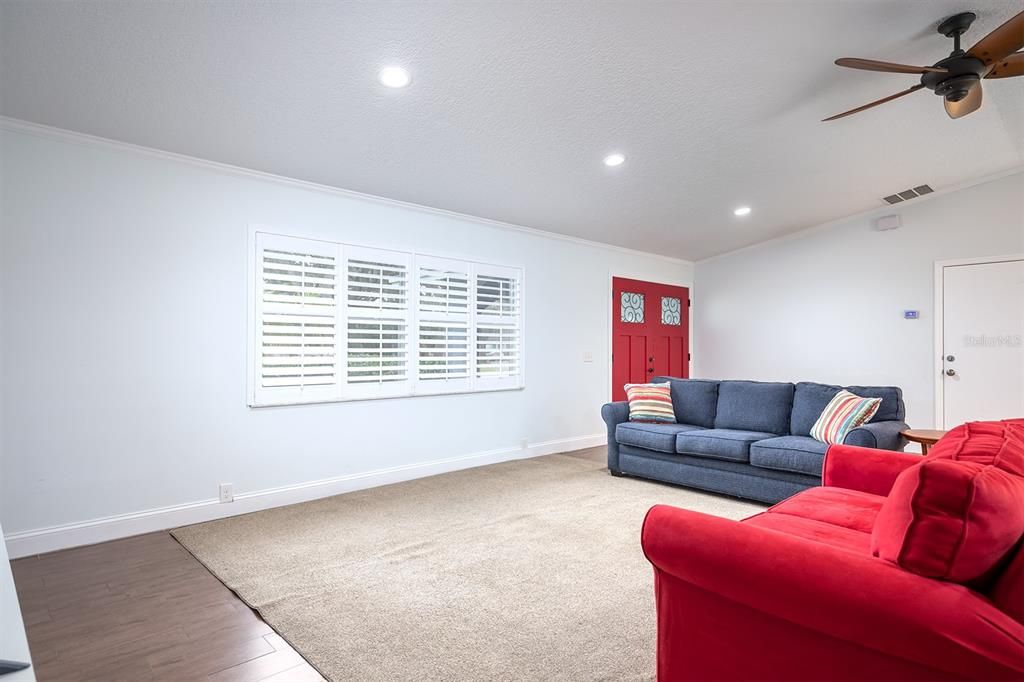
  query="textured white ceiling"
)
[{"x": 514, "y": 103}]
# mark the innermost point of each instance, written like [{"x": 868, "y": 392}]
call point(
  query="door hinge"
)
[
  {"x": 689, "y": 302},
  {"x": 689, "y": 356}
]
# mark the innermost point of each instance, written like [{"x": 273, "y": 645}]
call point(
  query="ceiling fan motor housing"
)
[{"x": 962, "y": 73}]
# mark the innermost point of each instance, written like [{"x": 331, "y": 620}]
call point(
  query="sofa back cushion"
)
[
  {"x": 754, "y": 406},
  {"x": 1008, "y": 590},
  {"x": 892, "y": 408},
  {"x": 694, "y": 400},
  {"x": 809, "y": 399},
  {"x": 981, "y": 442},
  {"x": 959, "y": 513}
]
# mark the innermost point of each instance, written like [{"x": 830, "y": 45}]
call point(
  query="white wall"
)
[
  {"x": 827, "y": 304},
  {"x": 123, "y": 282}
]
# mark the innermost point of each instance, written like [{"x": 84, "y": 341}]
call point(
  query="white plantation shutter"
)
[
  {"x": 296, "y": 356},
  {"x": 378, "y": 322},
  {"x": 339, "y": 322},
  {"x": 442, "y": 325},
  {"x": 498, "y": 326}
]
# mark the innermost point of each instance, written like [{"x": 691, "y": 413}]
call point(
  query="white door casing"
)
[{"x": 980, "y": 340}]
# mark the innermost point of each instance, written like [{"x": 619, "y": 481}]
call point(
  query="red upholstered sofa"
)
[{"x": 897, "y": 568}]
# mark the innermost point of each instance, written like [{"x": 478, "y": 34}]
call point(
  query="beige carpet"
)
[{"x": 526, "y": 570}]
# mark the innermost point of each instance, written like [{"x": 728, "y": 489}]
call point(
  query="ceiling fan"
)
[{"x": 957, "y": 78}]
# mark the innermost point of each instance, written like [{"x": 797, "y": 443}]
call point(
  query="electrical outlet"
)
[
  {"x": 524, "y": 444},
  {"x": 588, "y": 356},
  {"x": 227, "y": 492}
]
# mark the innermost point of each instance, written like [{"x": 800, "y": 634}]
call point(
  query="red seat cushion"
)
[
  {"x": 837, "y": 506},
  {"x": 833, "y": 516},
  {"x": 959, "y": 512}
]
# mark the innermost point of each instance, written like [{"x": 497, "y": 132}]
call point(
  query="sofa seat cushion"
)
[
  {"x": 660, "y": 437},
  {"x": 832, "y": 516},
  {"x": 816, "y": 531},
  {"x": 719, "y": 443},
  {"x": 799, "y": 454},
  {"x": 850, "y": 509}
]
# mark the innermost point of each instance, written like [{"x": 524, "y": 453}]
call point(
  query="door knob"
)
[
  {"x": 950, "y": 372},
  {"x": 650, "y": 359},
  {"x": 650, "y": 370},
  {"x": 950, "y": 358}
]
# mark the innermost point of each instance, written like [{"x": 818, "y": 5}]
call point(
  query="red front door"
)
[{"x": 650, "y": 332}]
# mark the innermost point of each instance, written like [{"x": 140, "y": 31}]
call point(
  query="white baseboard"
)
[{"x": 40, "y": 540}]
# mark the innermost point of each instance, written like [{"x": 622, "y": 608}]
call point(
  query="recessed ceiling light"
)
[
  {"x": 614, "y": 160},
  {"x": 742, "y": 210},
  {"x": 394, "y": 77}
]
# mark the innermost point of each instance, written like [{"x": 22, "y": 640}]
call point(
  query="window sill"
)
[{"x": 403, "y": 396}]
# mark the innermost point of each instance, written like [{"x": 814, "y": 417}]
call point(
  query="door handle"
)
[
  {"x": 650, "y": 370},
  {"x": 950, "y": 372}
]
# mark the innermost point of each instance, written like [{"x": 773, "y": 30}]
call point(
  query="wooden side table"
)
[{"x": 926, "y": 437}]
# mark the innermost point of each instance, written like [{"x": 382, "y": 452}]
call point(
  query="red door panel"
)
[
  {"x": 637, "y": 359},
  {"x": 650, "y": 332}
]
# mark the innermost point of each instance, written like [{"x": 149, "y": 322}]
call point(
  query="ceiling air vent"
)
[{"x": 907, "y": 194}]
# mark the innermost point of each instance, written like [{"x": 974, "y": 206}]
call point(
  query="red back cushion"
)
[
  {"x": 1008, "y": 591},
  {"x": 978, "y": 442},
  {"x": 959, "y": 512}
]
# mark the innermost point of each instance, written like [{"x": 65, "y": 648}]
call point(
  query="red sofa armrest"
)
[
  {"x": 864, "y": 469},
  {"x": 858, "y": 599}
]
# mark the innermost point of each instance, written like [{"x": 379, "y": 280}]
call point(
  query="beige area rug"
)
[{"x": 525, "y": 570}]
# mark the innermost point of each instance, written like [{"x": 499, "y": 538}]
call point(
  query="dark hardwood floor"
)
[{"x": 143, "y": 608}]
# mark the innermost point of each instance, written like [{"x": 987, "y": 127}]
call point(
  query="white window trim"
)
[{"x": 413, "y": 387}]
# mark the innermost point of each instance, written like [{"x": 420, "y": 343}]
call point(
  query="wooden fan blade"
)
[
  {"x": 1009, "y": 67},
  {"x": 968, "y": 105},
  {"x": 887, "y": 67},
  {"x": 875, "y": 103},
  {"x": 1001, "y": 42}
]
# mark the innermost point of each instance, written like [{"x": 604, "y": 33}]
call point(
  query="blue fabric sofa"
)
[{"x": 749, "y": 439}]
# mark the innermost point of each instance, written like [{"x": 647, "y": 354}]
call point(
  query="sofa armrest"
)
[
  {"x": 865, "y": 469},
  {"x": 613, "y": 415},
  {"x": 859, "y": 599},
  {"x": 882, "y": 435}
]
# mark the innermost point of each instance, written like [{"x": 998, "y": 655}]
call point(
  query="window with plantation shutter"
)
[
  {"x": 377, "y": 325},
  {"x": 498, "y": 326},
  {"x": 297, "y": 304},
  {"x": 340, "y": 322},
  {"x": 442, "y": 325}
]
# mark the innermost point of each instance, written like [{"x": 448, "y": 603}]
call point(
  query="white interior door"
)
[{"x": 982, "y": 342}]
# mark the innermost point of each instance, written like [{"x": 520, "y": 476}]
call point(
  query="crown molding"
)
[
  {"x": 869, "y": 213},
  {"x": 50, "y": 132}
]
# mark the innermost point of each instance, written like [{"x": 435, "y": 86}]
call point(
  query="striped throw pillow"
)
[
  {"x": 650, "y": 403},
  {"x": 843, "y": 413}
]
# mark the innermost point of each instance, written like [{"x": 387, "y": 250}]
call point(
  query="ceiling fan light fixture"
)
[{"x": 957, "y": 78}]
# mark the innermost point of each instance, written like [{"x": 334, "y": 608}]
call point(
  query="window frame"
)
[{"x": 413, "y": 386}]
